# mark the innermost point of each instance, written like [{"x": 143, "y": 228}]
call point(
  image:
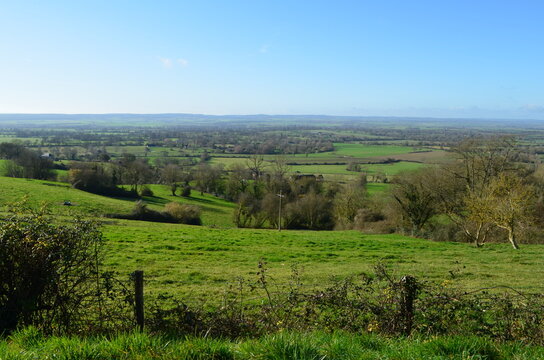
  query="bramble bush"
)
[
  {"x": 368, "y": 303},
  {"x": 48, "y": 270},
  {"x": 173, "y": 213},
  {"x": 184, "y": 213}
]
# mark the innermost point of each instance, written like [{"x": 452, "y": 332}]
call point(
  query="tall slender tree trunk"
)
[{"x": 512, "y": 238}]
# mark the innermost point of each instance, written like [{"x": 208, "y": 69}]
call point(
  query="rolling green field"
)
[
  {"x": 199, "y": 263},
  {"x": 215, "y": 212},
  {"x": 377, "y": 188},
  {"x": 333, "y": 164},
  {"x": 360, "y": 151},
  {"x": 367, "y": 151},
  {"x": 388, "y": 169}
]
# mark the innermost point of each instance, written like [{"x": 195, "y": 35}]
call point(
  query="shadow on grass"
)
[{"x": 156, "y": 200}]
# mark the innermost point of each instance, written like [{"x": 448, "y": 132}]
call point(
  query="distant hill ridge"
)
[{"x": 183, "y": 119}]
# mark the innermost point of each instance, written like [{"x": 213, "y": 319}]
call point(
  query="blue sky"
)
[{"x": 390, "y": 58}]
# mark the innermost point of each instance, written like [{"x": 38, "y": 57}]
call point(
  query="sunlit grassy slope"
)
[
  {"x": 215, "y": 212},
  {"x": 200, "y": 262}
]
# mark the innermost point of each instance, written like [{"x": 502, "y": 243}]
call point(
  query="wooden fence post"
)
[
  {"x": 138, "y": 277},
  {"x": 408, "y": 294}
]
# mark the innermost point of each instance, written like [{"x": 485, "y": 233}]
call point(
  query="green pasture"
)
[
  {"x": 377, "y": 188},
  {"x": 140, "y": 151},
  {"x": 355, "y": 150},
  {"x": 57, "y": 172},
  {"x": 228, "y": 162},
  {"x": 364, "y": 150},
  {"x": 388, "y": 169},
  {"x": 55, "y": 193},
  {"x": 215, "y": 212},
  {"x": 197, "y": 262},
  {"x": 13, "y": 138},
  {"x": 200, "y": 263},
  {"x": 330, "y": 169}
]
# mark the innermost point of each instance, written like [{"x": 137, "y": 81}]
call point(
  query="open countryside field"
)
[
  {"x": 200, "y": 263},
  {"x": 215, "y": 212},
  {"x": 334, "y": 162},
  {"x": 368, "y": 151},
  {"x": 346, "y": 152},
  {"x": 328, "y": 169},
  {"x": 387, "y": 169},
  {"x": 377, "y": 188}
]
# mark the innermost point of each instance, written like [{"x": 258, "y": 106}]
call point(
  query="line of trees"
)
[
  {"x": 24, "y": 163},
  {"x": 484, "y": 189}
]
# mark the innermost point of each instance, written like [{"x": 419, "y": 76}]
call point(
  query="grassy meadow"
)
[
  {"x": 332, "y": 165},
  {"x": 199, "y": 263},
  {"x": 387, "y": 169},
  {"x": 369, "y": 151},
  {"x": 215, "y": 212}
]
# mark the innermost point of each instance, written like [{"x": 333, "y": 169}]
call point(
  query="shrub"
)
[
  {"x": 353, "y": 166},
  {"x": 186, "y": 191},
  {"x": 48, "y": 270},
  {"x": 367, "y": 303},
  {"x": 25, "y": 163},
  {"x": 183, "y": 213},
  {"x": 146, "y": 191},
  {"x": 97, "y": 179},
  {"x": 373, "y": 220},
  {"x": 173, "y": 213},
  {"x": 142, "y": 212},
  {"x": 313, "y": 212}
]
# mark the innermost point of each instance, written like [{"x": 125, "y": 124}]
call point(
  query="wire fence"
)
[
  {"x": 261, "y": 303},
  {"x": 151, "y": 280}
]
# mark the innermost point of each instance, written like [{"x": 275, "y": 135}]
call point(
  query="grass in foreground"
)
[{"x": 30, "y": 344}]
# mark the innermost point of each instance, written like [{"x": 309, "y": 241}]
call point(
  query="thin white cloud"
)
[
  {"x": 167, "y": 63},
  {"x": 533, "y": 108},
  {"x": 183, "y": 62}
]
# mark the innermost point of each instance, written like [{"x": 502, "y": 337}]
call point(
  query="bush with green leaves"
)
[
  {"x": 184, "y": 213},
  {"x": 186, "y": 191},
  {"x": 146, "y": 191},
  {"x": 48, "y": 270}
]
